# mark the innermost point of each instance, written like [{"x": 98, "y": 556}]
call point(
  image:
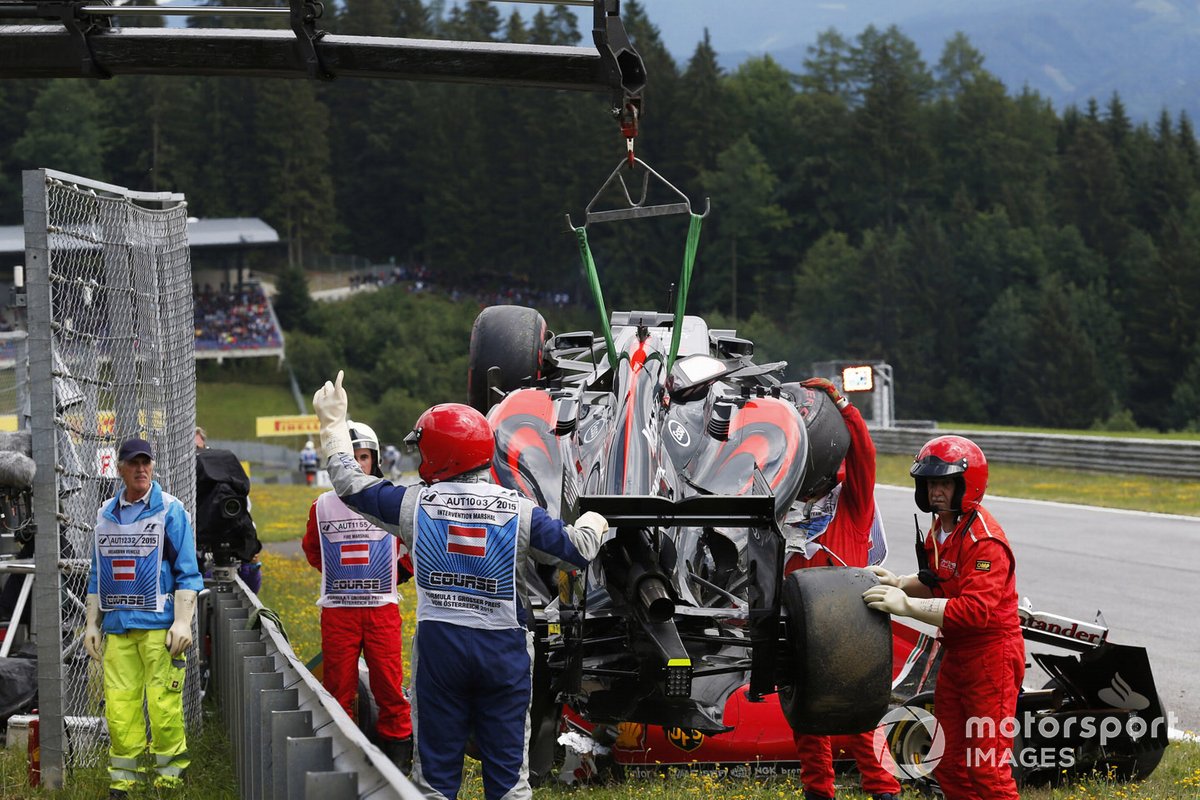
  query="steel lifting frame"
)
[{"x": 76, "y": 39}]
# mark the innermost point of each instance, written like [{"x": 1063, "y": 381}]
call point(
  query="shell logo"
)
[{"x": 631, "y": 736}]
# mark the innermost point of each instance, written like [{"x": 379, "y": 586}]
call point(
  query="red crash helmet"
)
[
  {"x": 453, "y": 439},
  {"x": 951, "y": 457}
]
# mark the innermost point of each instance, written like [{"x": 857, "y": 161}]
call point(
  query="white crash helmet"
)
[{"x": 363, "y": 436}]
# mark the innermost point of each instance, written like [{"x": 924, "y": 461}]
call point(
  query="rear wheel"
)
[
  {"x": 840, "y": 652},
  {"x": 510, "y": 338},
  {"x": 911, "y": 739}
]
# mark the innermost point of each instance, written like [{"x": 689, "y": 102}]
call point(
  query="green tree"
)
[
  {"x": 749, "y": 217},
  {"x": 64, "y": 131},
  {"x": 829, "y": 67},
  {"x": 894, "y": 157},
  {"x": 293, "y": 128},
  {"x": 293, "y": 304}
]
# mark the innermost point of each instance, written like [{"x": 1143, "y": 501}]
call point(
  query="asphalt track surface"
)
[{"x": 1141, "y": 570}]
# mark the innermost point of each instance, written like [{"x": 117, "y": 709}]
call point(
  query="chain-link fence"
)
[{"x": 111, "y": 355}]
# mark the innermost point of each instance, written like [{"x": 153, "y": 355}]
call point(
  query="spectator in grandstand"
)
[
  {"x": 239, "y": 319},
  {"x": 836, "y": 531},
  {"x": 472, "y": 661},
  {"x": 308, "y": 462},
  {"x": 966, "y": 586},
  {"x": 361, "y": 566},
  {"x": 142, "y": 601}
]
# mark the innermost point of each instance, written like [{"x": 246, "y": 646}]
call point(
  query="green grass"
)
[
  {"x": 212, "y": 778},
  {"x": 228, "y": 410}
]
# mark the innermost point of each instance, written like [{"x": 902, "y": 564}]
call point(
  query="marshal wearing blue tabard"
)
[{"x": 465, "y": 555}]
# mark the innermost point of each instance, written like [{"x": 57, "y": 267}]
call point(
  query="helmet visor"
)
[
  {"x": 412, "y": 440},
  {"x": 934, "y": 467}
]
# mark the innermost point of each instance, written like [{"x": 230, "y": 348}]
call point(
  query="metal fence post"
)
[
  {"x": 271, "y": 702},
  {"x": 306, "y": 754},
  {"x": 331, "y": 785},
  {"x": 285, "y": 726}
]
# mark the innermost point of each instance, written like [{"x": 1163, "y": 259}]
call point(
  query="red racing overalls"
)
[
  {"x": 359, "y": 611},
  {"x": 984, "y": 660}
]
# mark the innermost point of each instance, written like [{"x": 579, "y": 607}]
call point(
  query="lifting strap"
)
[{"x": 685, "y": 280}]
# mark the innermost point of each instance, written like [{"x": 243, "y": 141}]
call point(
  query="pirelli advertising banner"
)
[{"x": 295, "y": 425}]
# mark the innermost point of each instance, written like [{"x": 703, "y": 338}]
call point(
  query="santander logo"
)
[{"x": 1119, "y": 694}]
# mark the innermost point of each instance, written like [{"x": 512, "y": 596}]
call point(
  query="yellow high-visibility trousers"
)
[{"x": 136, "y": 666}]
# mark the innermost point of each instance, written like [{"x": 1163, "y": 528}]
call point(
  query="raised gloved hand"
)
[
  {"x": 593, "y": 521},
  {"x": 179, "y": 636},
  {"x": 893, "y": 600},
  {"x": 329, "y": 404},
  {"x": 885, "y": 576},
  {"x": 825, "y": 385},
  {"x": 93, "y": 637}
]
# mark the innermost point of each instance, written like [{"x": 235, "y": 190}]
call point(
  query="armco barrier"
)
[
  {"x": 1173, "y": 459},
  {"x": 291, "y": 740}
]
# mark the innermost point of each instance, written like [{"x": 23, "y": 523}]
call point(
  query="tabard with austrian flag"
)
[
  {"x": 466, "y": 541},
  {"x": 354, "y": 554}
]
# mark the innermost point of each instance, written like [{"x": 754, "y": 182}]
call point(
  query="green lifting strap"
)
[
  {"x": 685, "y": 281},
  {"x": 589, "y": 265}
]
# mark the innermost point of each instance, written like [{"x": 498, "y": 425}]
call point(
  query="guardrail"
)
[
  {"x": 291, "y": 740},
  {"x": 1173, "y": 459}
]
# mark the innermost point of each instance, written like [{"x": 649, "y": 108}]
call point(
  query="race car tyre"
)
[
  {"x": 840, "y": 653},
  {"x": 512, "y": 338}
]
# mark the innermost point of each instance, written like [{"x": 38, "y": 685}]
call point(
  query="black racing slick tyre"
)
[
  {"x": 839, "y": 650},
  {"x": 510, "y": 338}
]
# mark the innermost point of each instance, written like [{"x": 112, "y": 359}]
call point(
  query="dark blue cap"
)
[{"x": 131, "y": 448}]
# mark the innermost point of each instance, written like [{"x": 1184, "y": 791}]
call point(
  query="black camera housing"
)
[{"x": 223, "y": 523}]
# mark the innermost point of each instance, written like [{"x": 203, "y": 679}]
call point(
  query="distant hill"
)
[{"x": 1068, "y": 50}]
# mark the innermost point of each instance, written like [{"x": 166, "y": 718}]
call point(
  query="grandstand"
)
[{"x": 234, "y": 320}]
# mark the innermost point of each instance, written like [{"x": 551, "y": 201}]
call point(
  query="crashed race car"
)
[
  {"x": 1099, "y": 714},
  {"x": 695, "y": 454}
]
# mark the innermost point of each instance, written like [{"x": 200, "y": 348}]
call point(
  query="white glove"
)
[
  {"x": 329, "y": 404},
  {"x": 93, "y": 637},
  {"x": 179, "y": 637},
  {"x": 885, "y": 576},
  {"x": 593, "y": 521},
  {"x": 893, "y": 600}
]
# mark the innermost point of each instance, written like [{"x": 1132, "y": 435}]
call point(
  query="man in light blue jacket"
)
[{"x": 142, "y": 590}]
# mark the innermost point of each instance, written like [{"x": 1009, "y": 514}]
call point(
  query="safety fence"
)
[
  {"x": 291, "y": 739},
  {"x": 110, "y": 356},
  {"x": 1172, "y": 459}
]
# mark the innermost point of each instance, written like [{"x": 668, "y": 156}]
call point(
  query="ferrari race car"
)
[
  {"x": 696, "y": 455},
  {"x": 1099, "y": 713}
]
